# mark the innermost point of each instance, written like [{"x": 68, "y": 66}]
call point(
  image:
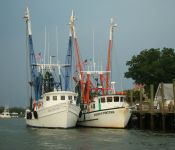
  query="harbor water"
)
[{"x": 15, "y": 135}]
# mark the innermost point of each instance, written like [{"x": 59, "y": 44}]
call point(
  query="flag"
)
[
  {"x": 85, "y": 63},
  {"x": 38, "y": 56}
]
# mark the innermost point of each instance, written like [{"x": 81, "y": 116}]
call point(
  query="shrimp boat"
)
[
  {"x": 50, "y": 105},
  {"x": 109, "y": 111},
  {"x": 101, "y": 105}
]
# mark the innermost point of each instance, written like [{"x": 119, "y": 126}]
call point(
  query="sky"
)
[{"x": 141, "y": 24}]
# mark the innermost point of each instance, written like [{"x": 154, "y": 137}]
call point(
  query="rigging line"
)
[
  {"x": 93, "y": 49},
  {"x": 57, "y": 42},
  {"x": 48, "y": 50},
  {"x": 45, "y": 48}
]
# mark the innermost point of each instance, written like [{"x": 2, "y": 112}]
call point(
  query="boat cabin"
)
[
  {"x": 106, "y": 102},
  {"x": 56, "y": 97}
]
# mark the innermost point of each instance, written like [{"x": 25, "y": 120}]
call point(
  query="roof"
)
[{"x": 168, "y": 92}]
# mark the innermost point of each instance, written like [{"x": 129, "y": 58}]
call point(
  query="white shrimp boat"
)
[
  {"x": 50, "y": 106},
  {"x": 101, "y": 106},
  {"x": 109, "y": 111},
  {"x": 55, "y": 110}
]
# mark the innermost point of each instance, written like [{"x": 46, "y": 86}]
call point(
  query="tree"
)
[{"x": 152, "y": 67}]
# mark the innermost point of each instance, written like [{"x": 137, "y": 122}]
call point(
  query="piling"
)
[
  {"x": 151, "y": 105},
  {"x": 174, "y": 93}
]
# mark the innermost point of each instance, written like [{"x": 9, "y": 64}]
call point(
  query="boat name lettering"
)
[{"x": 104, "y": 112}]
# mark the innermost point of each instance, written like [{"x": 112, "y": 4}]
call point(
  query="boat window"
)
[
  {"x": 103, "y": 100},
  {"x": 47, "y": 98},
  {"x": 62, "y": 97},
  {"x": 109, "y": 99},
  {"x": 75, "y": 98},
  {"x": 94, "y": 106},
  {"x": 54, "y": 98},
  {"x": 116, "y": 99},
  {"x": 121, "y": 99},
  {"x": 69, "y": 97}
]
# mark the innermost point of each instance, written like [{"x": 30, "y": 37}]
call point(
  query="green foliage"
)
[
  {"x": 1, "y": 109},
  {"x": 152, "y": 67},
  {"x": 136, "y": 95}
]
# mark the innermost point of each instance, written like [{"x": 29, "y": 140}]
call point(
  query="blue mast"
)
[
  {"x": 36, "y": 78},
  {"x": 68, "y": 69}
]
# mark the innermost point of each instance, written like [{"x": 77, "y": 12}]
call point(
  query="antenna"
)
[
  {"x": 93, "y": 59},
  {"x": 48, "y": 48},
  {"x": 57, "y": 42},
  {"x": 45, "y": 46}
]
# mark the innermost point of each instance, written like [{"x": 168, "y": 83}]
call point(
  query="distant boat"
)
[
  {"x": 14, "y": 115},
  {"x": 5, "y": 113},
  {"x": 50, "y": 106}
]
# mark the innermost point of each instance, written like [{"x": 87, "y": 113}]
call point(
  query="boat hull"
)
[
  {"x": 3, "y": 116},
  {"x": 109, "y": 118},
  {"x": 57, "y": 116}
]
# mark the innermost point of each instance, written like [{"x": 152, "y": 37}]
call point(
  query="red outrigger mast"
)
[
  {"x": 88, "y": 86},
  {"x": 79, "y": 64},
  {"x": 108, "y": 67}
]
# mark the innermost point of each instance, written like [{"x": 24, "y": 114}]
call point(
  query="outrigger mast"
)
[
  {"x": 77, "y": 53},
  {"x": 108, "y": 67},
  {"x": 34, "y": 80}
]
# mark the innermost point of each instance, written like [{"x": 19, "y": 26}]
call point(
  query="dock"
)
[
  {"x": 147, "y": 117},
  {"x": 157, "y": 120}
]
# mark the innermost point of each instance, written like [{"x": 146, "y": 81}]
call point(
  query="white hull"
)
[
  {"x": 110, "y": 118},
  {"x": 5, "y": 116},
  {"x": 63, "y": 115}
]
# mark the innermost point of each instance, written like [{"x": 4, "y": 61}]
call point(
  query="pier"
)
[{"x": 147, "y": 117}]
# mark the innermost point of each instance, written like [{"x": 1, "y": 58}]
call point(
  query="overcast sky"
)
[{"x": 142, "y": 24}]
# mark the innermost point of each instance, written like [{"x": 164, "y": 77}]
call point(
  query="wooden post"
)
[
  {"x": 174, "y": 94},
  {"x": 141, "y": 99},
  {"x": 151, "y": 105},
  {"x": 162, "y": 95},
  {"x": 131, "y": 97},
  {"x": 163, "y": 122},
  {"x": 141, "y": 120},
  {"x": 152, "y": 97},
  {"x": 173, "y": 117},
  {"x": 163, "y": 106}
]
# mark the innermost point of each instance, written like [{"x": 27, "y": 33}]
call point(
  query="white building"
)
[{"x": 168, "y": 95}]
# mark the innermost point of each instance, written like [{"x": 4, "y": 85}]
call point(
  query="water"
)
[{"x": 15, "y": 135}]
